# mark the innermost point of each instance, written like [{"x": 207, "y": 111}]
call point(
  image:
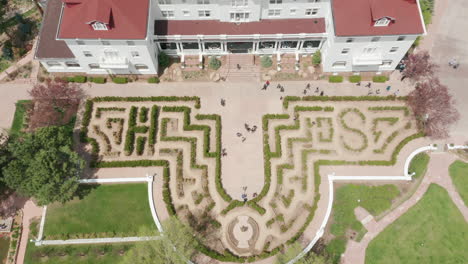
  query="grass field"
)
[
  {"x": 117, "y": 210},
  {"x": 76, "y": 254},
  {"x": 432, "y": 231},
  {"x": 375, "y": 199},
  {"x": 419, "y": 165},
  {"x": 459, "y": 173},
  {"x": 18, "y": 119},
  {"x": 4, "y": 246}
]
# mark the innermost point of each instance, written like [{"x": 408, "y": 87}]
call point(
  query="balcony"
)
[{"x": 113, "y": 63}]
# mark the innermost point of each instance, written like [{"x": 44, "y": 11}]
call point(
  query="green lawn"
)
[
  {"x": 107, "y": 210},
  {"x": 375, "y": 199},
  {"x": 4, "y": 246},
  {"x": 459, "y": 173},
  {"x": 18, "y": 119},
  {"x": 419, "y": 165},
  {"x": 432, "y": 231},
  {"x": 76, "y": 254}
]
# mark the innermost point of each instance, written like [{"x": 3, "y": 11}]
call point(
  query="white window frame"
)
[
  {"x": 146, "y": 68},
  {"x": 394, "y": 49},
  {"x": 203, "y": 2},
  {"x": 93, "y": 68},
  {"x": 186, "y": 12},
  {"x": 274, "y": 12},
  {"x": 339, "y": 64},
  {"x": 375, "y": 39},
  {"x": 345, "y": 51},
  {"x": 241, "y": 16},
  {"x": 165, "y": 2},
  {"x": 54, "y": 64},
  {"x": 387, "y": 63},
  {"x": 72, "y": 67},
  {"x": 382, "y": 22},
  {"x": 99, "y": 26},
  {"x": 87, "y": 53},
  {"x": 168, "y": 13},
  {"x": 401, "y": 38},
  {"x": 276, "y": 2},
  {"x": 239, "y": 3},
  {"x": 135, "y": 54},
  {"x": 349, "y": 40},
  {"x": 204, "y": 13}
]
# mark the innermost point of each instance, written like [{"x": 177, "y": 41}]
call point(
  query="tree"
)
[
  {"x": 418, "y": 66},
  {"x": 433, "y": 107},
  {"x": 317, "y": 58},
  {"x": 55, "y": 103},
  {"x": 3, "y": 19},
  {"x": 176, "y": 245},
  {"x": 43, "y": 165},
  {"x": 294, "y": 250}
]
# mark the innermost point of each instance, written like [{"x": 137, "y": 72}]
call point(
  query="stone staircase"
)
[{"x": 248, "y": 70}]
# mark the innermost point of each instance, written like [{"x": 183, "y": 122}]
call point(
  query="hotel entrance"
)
[{"x": 240, "y": 47}]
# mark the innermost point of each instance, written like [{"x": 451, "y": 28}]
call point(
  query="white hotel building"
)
[{"x": 126, "y": 36}]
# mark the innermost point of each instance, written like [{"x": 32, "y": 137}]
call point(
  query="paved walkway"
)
[
  {"x": 30, "y": 211},
  {"x": 437, "y": 173}
]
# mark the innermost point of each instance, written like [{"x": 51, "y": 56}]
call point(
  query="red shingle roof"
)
[
  {"x": 215, "y": 27},
  {"x": 127, "y": 19},
  {"x": 357, "y": 17}
]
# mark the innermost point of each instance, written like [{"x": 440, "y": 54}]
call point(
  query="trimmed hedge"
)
[
  {"x": 317, "y": 58},
  {"x": 140, "y": 146},
  {"x": 335, "y": 79},
  {"x": 355, "y": 78},
  {"x": 154, "y": 80},
  {"x": 266, "y": 62},
  {"x": 214, "y": 63},
  {"x": 79, "y": 79},
  {"x": 379, "y": 79},
  {"x": 99, "y": 80},
  {"x": 150, "y": 99},
  {"x": 120, "y": 80},
  {"x": 163, "y": 60},
  {"x": 143, "y": 117},
  {"x": 288, "y": 99}
]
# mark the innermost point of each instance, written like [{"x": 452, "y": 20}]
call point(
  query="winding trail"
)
[{"x": 438, "y": 173}]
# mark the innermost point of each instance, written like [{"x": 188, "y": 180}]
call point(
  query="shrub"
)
[
  {"x": 266, "y": 62},
  {"x": 99, "y": 80},
  {"x": 144, "y": 114},
  {"x": 140, "y": 148},
  {"x": 335, "y": 79},
  {"x": 355, "y": 78},
  {"x": 379, "y": 79},
  {"x": 163, "y": 59},
  {"x": 70, "y": 79},
  {"x": 317, "y": 58},
  {"x": 7, "y": 50},
  {"x": 153, "y": 80},
  {"x": 214, "y": 63},
  {"x": 80, "y": 79},
  {"x": 120, "y": 80}
]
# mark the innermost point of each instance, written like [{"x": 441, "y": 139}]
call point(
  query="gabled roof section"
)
[
  {"x": 48, "y": 47},
  {"x": 126, "y": 19},
  {"x": 357, "y": 17}
]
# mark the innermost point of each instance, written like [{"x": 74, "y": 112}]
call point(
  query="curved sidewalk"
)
[{"x": 437, "y": 173}]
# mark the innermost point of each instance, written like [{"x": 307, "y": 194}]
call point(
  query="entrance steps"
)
[{"x": 240, "y": 67}]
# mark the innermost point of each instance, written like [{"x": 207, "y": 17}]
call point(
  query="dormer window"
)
[
  {"x": 99, "y": 26},
  {"x": 383, "y": 22}
]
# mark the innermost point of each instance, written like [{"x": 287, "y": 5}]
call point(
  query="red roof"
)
[
  {"x": 357, "y": 17},
  {"x": 215, "y": 27},
  {"x": 126, "y": 19}
]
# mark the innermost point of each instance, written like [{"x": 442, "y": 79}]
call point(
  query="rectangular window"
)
[
  {"x": 289, "y": 44},
  {"x": 345, "y": 51},
  {"x": 267, "y": 45},
  {"x": 165, "y": 2},
  {"x": 80, "y": 42},
  {"x": 349, "y": 40},
  {"x": 168, "y": 13},
  {"x": 54, "y": 64},
  {"x": 313, "y": 1},
  {"x": 401, "y": 38},
  {"x": 141, "y": 67},
  {"x": 185, "y": 12},
  {"x": 339, "y": 64},
  {"x": 87, "y": 53},
  {"x": 105, "y": 42},
  {"x": 311, "y": 44},
  {"x": 99, "y": 26},
  {"x": 238, "y": 3},
  {"x": 131, "y": 43},
  {"x": 387, "y": 63},
  {"x": 94, "y": 66},
  {"x": 393, "y": 49},
  {"x": 276, "y": 2},
  {"x": 135, "y": 54},
  {"x": 274, "y": 12},
  {"x": 292, "y": 11},
  {"x": 204, "y": 13},
  {"x": 72, "y": 64},
  {"x": 168, "y": 46},
  {"x": 375, "y": 39},
  {"x": 190, "y": 45},
  {"x": 203, "y": 2}
]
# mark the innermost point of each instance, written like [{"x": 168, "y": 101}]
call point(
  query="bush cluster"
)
[
  {"x": 288, "y": 99},
  {"x": 379, "y": 79},
  {"x": 164, "y": 60},
  {"x": 266, "y": 62},
  {"x": 153, "y": 80},
  {"x": 98, "y": 80},
  {"x": 354, "y": 78},
  {"x": 130, "y": 137},
  {"x": 140, "y": 147},
  {"x": 354, "y": 130},
  {"x": 335, "y": 79},
  {"x": 317, "y": 58},
  {"x": 214, "y": 63},
  {"x": 390, "y": 108},
  {"x": 150, "y": 99},
  {"x": 120, "y": 80}
]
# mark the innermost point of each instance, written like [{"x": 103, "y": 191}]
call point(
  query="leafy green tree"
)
[
  {"x": 43, "y": 165},
  {"x": 3, "y": 19},
  {"x": 294, "y": 250},
  {"x": 317, "y": 58},
  {"x": 176, "y": 245}
]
